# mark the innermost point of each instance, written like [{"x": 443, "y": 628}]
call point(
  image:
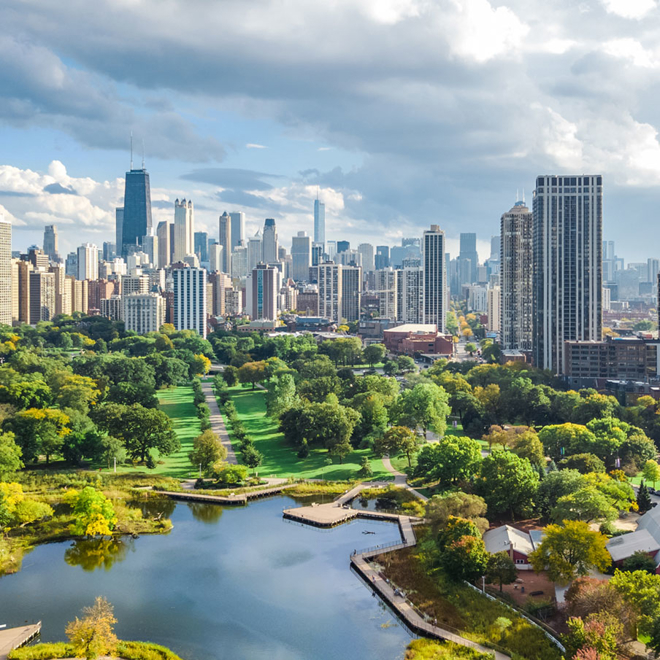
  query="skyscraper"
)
[
  {"x": 5, "y": 271},
  {"x": 263, "y": 287},
  {"x": 225, "y": 241},
  {"x": 468, "y": 259},
  {"x": 119, "y": 229},
  {"x": 343, "y": 246},
  {"x": 301, "y": 256},
  {"x": 190, "y": 299},
  {"x": 164, "y": 246},
  {"x": 42, "y": 296},
  {"x": 143, "y": 312},
  {"x": 88, "y": 262},
  {"x": 239, "y": 261},
  {"x": 516, "y": 267},
  {"x": 434, "y": 292},
  {"x": 270, "y": 243},
  {"x": 237, "y": 228},
  {"x": 367, "y": 252},
  {"x": 202, "y": 246},
  {"x": 351, "y": 292},
  {"x": 330, "y": 291},
  {"x": 319, "y": 222},
  {"x": 184, "y": 225},
  {"x": 382, "y": 259},
  {"x": 136, "y": 220},
  {"x": 386, "y": 287},
  {"x": 50, "y": 242},
  {"x": 567, "y": 254},
  {"x": 255, "y": 251}
]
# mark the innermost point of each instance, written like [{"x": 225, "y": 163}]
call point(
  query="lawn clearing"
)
[{"x": 280, "y": 459}]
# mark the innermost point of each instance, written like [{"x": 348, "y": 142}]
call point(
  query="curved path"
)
[
  {"x": 217, "y": 423},
  {"x": 401, "y": 479}
]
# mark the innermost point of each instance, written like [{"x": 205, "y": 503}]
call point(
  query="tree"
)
[
  {"x": 501, "y": 569},
  {"x": 462, "y": 505},
  {"x": 455, "y": 529},
  {"x": 508, "y": 483},
  {"x": 10, "y": 456},
  {"x": 230, "y": 375},
  {"x": 252, "y": 457},
  {"x": 398, "y": 439},
  {"x": 639, "y": 561},
  {"x": 641, "y": 592},
  {"x": 230, "y": 475},
  {"x": 470, "y": 348},
  {"x": 527, "y": 445},
  {"x": 425, "y": 405},
  {"x": 207, "y": 450},
  {"x": 593, "y": 639},
  {"x": 18, "y": 510},
  {"x": 39, "y": 431},
  {"x": 281, "y": 395},
  {"x": 202, "y": 365},
  {"x": 561, "y": 440},
  {"x": 570, "y": 551},
  {"x": 374, "y": 353},
  {"x": 252, "y": 372},
  {"x": 450, "y": 460},
  {"x": 341, "y": 448},
  {"x": 405, "y": 364},
  {"x": 93, "y": 635},
  {"x": 644, "y": 503},
  {"x": 587, "y": 504},
  {"x": 465, "y": 559},
  {"x": 583, "y": 463},
  {"x": 93, "y": 512},
  {"x": 651, "y": 471},
  {"x": 73, "y": 391},
  {"x": 365, "y": 471}
]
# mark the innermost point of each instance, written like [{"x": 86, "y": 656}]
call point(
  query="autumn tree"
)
[
  {"x": 462, "y": 505},
  {"x": 93, "y": 635},
  {"x": 252, "y": 372},
  {"x": 93, "y": 512},
  {"x": 570, "y": 551},
  {"x": 17, "y": 510},
  {"x": 465, "y": 559},
  {"x": 207, "y": 450}
]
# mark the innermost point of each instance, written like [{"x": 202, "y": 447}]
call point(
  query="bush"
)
[
  {"x": 42, "y": 652},
  {"x": 150, "y": 462}
]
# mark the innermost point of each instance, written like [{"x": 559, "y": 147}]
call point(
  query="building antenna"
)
[
  {"x": 142, "y": 154},
  {"x": 131, "y": 149},
  {"x": 517, "y": 196},
  {"x": 523, "y": 199}
]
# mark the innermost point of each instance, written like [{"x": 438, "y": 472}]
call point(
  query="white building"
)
[
  {"x": 6, "y": 296},
  {"x": 215, "y": 257},
  {"x": 494, "y": 297},
  {"x": 366, "y": 251},
  {"x": 330, "y": 291},
  {"x": 434, "y": 291},
  {"x": 239, "y": 262},
  {"x": 190, "y": 299},
  {"x": 410, "y": 282},
  {"x": 143, "y": 312},
  {"x": 386, "y": 287},
  {"x": 184, "y": 230},
  {"x": 88, "y": 262},
  {"x": 270, "y": 245},
  {"x": 319, "y": 222},
  {"x": 255, "y": 251}
]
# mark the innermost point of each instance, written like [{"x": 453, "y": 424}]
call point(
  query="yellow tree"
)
[
  {"x": 202, "y": 364},
  {"x": 93, "y": 512},
  {"x": 93, "y": 635}
]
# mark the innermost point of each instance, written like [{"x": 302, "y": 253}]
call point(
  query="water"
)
[{"x": 226, "y": 583}]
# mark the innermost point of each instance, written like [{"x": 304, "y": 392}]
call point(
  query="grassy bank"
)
[
  {"x": 125, "y": 651},
  {"x": 280, "y": 459},
  {"x": 426, "y": 649}
]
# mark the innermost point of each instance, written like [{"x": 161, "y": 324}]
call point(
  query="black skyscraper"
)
[{"x": 137, "y": 209}]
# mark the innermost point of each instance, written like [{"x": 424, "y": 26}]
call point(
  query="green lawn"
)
[
  {"x": 280, "y": 459},
  {"x": 177, "y": 403}
]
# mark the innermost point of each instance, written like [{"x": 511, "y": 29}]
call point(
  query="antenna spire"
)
[
  {"x": 517, "y": 195},
  {"x": 142, "y": 154},
  {"x": 131, "y": 149},
  {"x": 523, "y": 196}
]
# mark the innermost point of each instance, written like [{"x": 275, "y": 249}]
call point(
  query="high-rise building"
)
[
  {"x": 386, "y": 287},
  {"x": 119, "y": 229},
  {"x": 190, "y": 299},
  {"x": 343, "y": 246},
  {"x": 494, "y": 312},
  {"x": 109, "y": 251},
  {"x": 112, "y": 308},
  {"x": 135, "y": 284},
  {"x": 71, "y": 264},
  {"x": 97, "y": 291},
  {"x": 5, "y": 271},
  {"x": 255, "y": 251},
  {"x": 136, "y": 220},
  {"x": 239, "y": 261},
  {"x": 88, "y": 262},
  {"x": 516, "y": 266},
  {"x": 330, "y": 291},
  {"x": 164, "y": 246},
  {"x": 568, "y": 276},
  {"x": 382, "y": 259},
  {"x": 215, "y": 258},
  {"x": 23, "y": 269},
  {"x": 262, "y": 288},
  {"x": 42, "y": 296},
  {"x": 62, "y": 290},
  {"x": 143, "y": 312},
  {"x": 319, "y": 222},
  {"x": 270, "y": 243},
  {"x": 301, "y": 255},
  {"x": 225, "y": 241},
  {"x": 366, "y": 250},
  {"x": 317, "y": 254},
  {"x": 351, "y": 292},
  {"x": 38, "y": 258},
  {"x": 184, "y": 229},
  {"x": 468, "y": 259},
  {"x": 237, "y": 228},
  {"x": 202, "y": 246},
  {"x": 51, "y": 242},
  {"x": 410, "y": 288},
  {"x": 219, "y": 283},
  {"x": 434, "y": 293},
  {"x": 150, "y": 248}
]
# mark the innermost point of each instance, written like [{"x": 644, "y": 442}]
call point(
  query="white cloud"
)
[
  {"x": 630, "y": 8},
  {"x": 251, "y": 145},
  {"x": 631, "y": 50}
]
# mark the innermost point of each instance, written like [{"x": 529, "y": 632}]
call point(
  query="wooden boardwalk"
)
[
  {"x": 12, "y": 638},
  {"x": 239, "y": 499}
]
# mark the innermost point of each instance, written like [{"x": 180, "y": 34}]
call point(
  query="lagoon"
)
[{"x": 225, "y": 583}]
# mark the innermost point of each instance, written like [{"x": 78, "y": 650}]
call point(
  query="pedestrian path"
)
[
  {"x": 12, "y": 638},
  {"x": 217, "y": 423},
  {"x": 401, "y": 479}
]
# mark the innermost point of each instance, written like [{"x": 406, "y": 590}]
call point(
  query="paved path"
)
[
  {"x": 401, "y": 479},
  {"x": 12, "y": 638},
  {"x": 217, "y": 423}
]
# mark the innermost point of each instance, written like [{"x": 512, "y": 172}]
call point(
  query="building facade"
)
[
  {"x": 143, "y": 312},
  {"x": 190, "y": 299},
  {"x": 434, "y": 283},
  {"x": 319, "y": 222},
  {"x": 330, "y": 291},
  {"x": 6, "y": 296},
  {"x": 301, "y": 256},
  {"x": 225, "y": 241},
  {"x": 136, "y": 214}
]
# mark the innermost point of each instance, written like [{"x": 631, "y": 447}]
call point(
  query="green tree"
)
[
  {"x": 501, "y": 569},
  {"x": 440, "y": 508},
  {"x": 595, "y": 638},
  {"x": 74, "y": 391},
  {"x": 252, "y": 457},
  {"x": 644, "y": 503},
  {"x": 583, "y": 463},
  {"x": 641, "y": 592},
  {"x": 207, "y": 450},
  {"x": 252, "y": 372},
  {"x": 365, "y": 471},
  {"x": 639, "y": 561},
  {"x": 10, "y": 456},
  {"x": 587, "y": 504},
  {"x": 230, "y": 375},
  {"x": 527, "y": 445},
  {"x": 450, "y": 460},
  {"x": 39, "y": 431},
  {"x": 651, "y": 471},
  {"x": 281, "y": 395},
  {"x": 398, "y": 439},
  {"x": 93, "y": 635},
  {"x": 426, "y": 406},
  {"x": 465, "y": 559},
  {"x": 561, "y": 440},
  {"x": 508, "y": 483},
  {"x": 569, "y": 551},
  {"x": 93, "y": 512},
  {"x": 374, "y": 353},
  {"x": 230, "y": 475},
  {"x": 405, "y": 363},
  {"x": 455, "y": 529},
  {"x": 470, "y": 348}
]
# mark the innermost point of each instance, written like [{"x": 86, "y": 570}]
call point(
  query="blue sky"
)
[{"x": 402, "y": 113}]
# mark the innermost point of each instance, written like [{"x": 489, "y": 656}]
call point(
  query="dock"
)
[
  {"x": 233, "y": 500},
  {"x": 12, "y": 638}
]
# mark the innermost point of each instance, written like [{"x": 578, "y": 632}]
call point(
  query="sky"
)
[{"x": 399, "y": 114}]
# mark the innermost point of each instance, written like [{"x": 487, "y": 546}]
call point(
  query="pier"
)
[
  {"x": 12, "y": 638},
  {"x": 239, "y": 499}
]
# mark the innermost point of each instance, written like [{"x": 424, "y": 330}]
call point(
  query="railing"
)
[{"x": 381, "y": 546}]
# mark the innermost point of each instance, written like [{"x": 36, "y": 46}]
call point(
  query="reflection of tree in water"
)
[
  {"x": 154, "y": 507},
  {"x": 206, "y": 513},
  {"x": 97, "y": 553}
]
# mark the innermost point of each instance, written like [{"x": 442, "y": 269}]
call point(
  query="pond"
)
[{"x": 226, "y": 583}]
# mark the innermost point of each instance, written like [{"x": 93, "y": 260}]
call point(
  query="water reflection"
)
[
  {"x": 154, "y": 507},
  {"x": 206, "y": 513},
  {"x": 98, "y": 553}
]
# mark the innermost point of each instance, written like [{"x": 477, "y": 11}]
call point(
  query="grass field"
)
[
  {"x": 177, "y": 404},
  {"x": 280, "y": 459}
]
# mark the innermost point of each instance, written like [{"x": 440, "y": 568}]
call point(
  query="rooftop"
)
[
  {"x": 421, "y": 328},
  {"x": 622, "y": 547},
  {"x": 507, "y": 538}
]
